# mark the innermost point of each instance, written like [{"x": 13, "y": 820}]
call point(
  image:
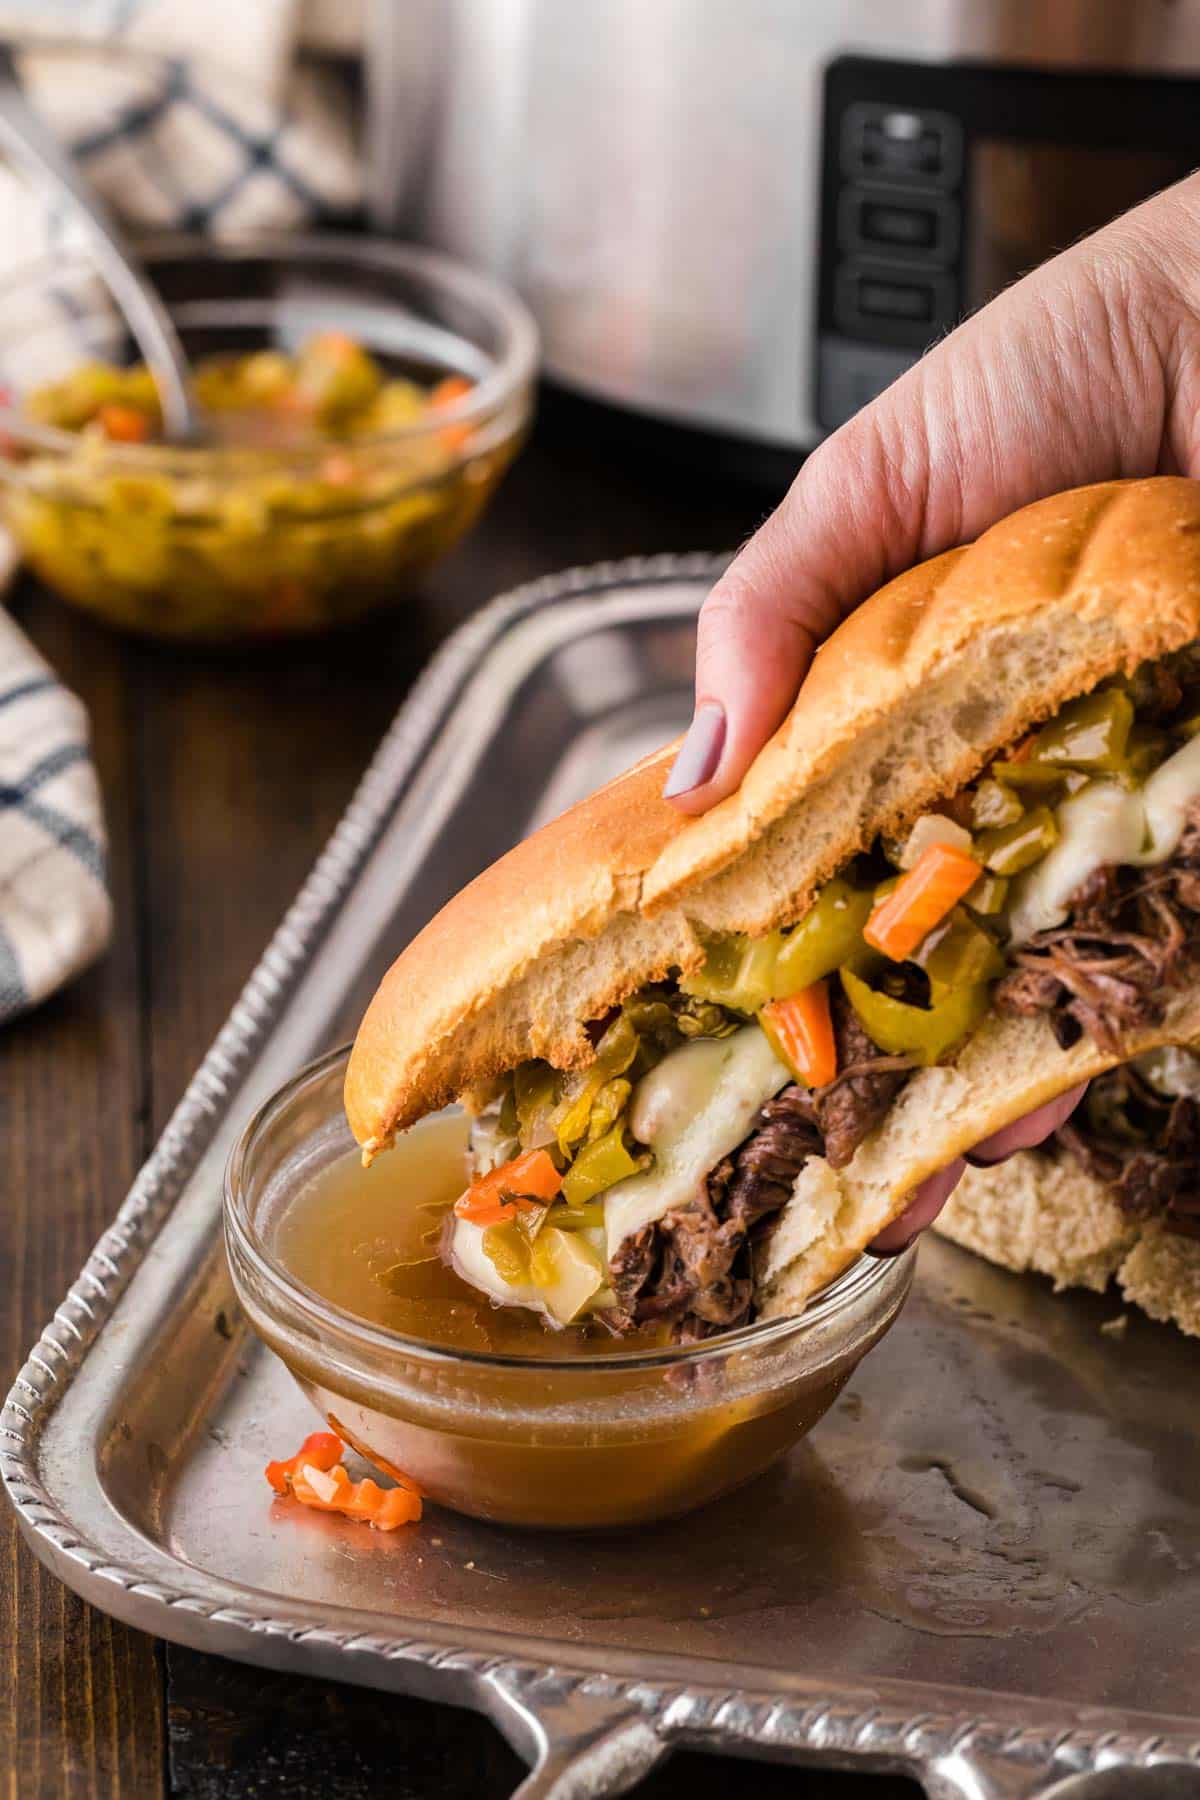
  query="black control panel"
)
[{"x": 940, "y": 183}]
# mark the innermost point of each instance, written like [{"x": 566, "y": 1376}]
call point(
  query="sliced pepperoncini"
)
[
  {"x": 738, "y": 972},
  {"x": 826, "y": 937},
  {"x": 615, "y": 1053},
  {"x": 988, "y": 896},
  {"x": 1091, "y": 733},
  {"x": 600, "y": 1165},
  {"x": 1012, "y": 848},
  {"x": 957, "y": 954},
  {"x": 507, "y": 1250},
  {"x": 535, "y": 1092},
  {"x": 587, "y": 1217},
  {"x": 924, "y": 1033}
]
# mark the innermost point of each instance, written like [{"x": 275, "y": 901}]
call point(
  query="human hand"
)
[{"x": 1087, "y": 370}]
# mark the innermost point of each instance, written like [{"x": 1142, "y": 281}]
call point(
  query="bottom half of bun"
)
[
  {"x": 1043, "y": 1213},
  {"x": 1009, "y": 1067}
]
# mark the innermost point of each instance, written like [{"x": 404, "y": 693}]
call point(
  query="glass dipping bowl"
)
[
  {"x": 217, "y": 543},
  {"x": 573, "y": 1444}
]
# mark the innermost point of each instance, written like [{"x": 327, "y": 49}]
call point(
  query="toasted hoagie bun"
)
[{"x": 907, "y": 703}]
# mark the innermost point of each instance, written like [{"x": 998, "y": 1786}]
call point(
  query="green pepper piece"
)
[
  {"x": 958, "y": 953},
  {"x": 988, "y": 895},
  {"x": 738, "y": 972},
  {"x": 703, "y": 1018},
  {"x": 828, "y": 934},
  {"x": 535, "y": 1091},
  {"x": 924, "y": 1033},
  {"x": 994, "y": 805},
  {"x": 1091, "y": 733},
  {"x": 618, "y": 1047},
  {"x": 615, "y": 1053},
  {"x": 1012, "y": 848},
  {"x": 1028, "y": 774},
  {"x": 508, "y": 1253},
  {"x": 571, "y": 1115},
  {"x": 608, "y": 1106},
  {"x": 510, "y": 1121},
  {"x": 599, "y": 1166},
  {"x": 587, "y": 1217},
  {"x": 654, "y": 1019}
]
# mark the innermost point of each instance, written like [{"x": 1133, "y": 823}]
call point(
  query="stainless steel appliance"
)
[{"x": 751, "y": 215}]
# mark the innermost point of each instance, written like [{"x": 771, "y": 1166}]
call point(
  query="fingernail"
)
[{"x": 699, "y": 753}]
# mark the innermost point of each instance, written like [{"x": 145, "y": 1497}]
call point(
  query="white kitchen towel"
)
[
  {"x": 55, "y": 911},
  {"x": 196, "y": 115}
]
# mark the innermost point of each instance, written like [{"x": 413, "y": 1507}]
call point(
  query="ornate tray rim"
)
[{"x": 586, "y": 1733}]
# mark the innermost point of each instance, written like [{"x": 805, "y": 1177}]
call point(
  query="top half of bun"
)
[{"x": 905, "y": 703}]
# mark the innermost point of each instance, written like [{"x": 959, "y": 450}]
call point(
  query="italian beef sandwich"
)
[{"x": 707, "y": 1060}]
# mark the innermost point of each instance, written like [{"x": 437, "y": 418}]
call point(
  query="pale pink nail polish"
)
[{"x": 699, "y": 753}]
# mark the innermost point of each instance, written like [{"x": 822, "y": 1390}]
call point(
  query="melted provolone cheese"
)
[
  {"x": 693, "y": 1109},
  {"x": 469, "y": 1261},
  {"x": 1107, "y": 823},
  {"x": 1168, "y": 794}
]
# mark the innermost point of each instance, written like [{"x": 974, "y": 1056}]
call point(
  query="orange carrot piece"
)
[
  {"x": 803, "y": 1027},
  {"x": 449, "y": 389},
  {"x": 384, "y": 1508},
  {"x": 324, "y": 1490},
  {"x": 336, "y": 346},
  {"x": 317, "y": 1478},
  {"x": 338, "y": 469},
  {"x": 322, "y": 1449},
  {"x": 495, "y": 1198},
  {"x": 920, "y": 900},
  {"x": 123, "y": 424}
]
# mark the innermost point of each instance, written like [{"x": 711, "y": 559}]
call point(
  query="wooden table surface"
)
[{"x": 222, "y": 778}]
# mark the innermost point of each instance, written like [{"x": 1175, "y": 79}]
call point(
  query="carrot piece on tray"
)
[
  {"x": 321, "y": 1449},
  {"x": 920, "y": 900},
  {"x": 802, "y": 1028},
  {"x": 317, "y": 1478},
  {"x": 496, "y": 1198}
]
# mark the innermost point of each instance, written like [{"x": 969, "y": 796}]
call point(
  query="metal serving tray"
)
[{"x": 983, "y": 1570}]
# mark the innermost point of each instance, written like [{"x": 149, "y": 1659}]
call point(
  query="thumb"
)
[
  {"x": 1056, "y": 382},
  {"x": 850, "y": 519}
]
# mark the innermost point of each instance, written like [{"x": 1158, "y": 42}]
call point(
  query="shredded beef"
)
[
  {"x": 865, "y": 1087},
  {"x": 1129, "y": 939},
  {"x": 693, "y": 1268},
  {"x": 766, "y": 1167},
  {"x": 1131, "y": 936},
  {"x": 1142, "y": 1144}
]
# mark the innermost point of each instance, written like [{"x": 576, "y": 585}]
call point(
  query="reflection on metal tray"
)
[{"x": 984, "y": 1569}]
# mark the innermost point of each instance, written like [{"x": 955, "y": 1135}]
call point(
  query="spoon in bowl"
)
[{"x": 31, "y": 145}]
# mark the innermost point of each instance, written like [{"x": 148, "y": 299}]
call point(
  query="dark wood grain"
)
[
  {"x": 80, "y": 1695},
  {"x": 223, "y": 775}
]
